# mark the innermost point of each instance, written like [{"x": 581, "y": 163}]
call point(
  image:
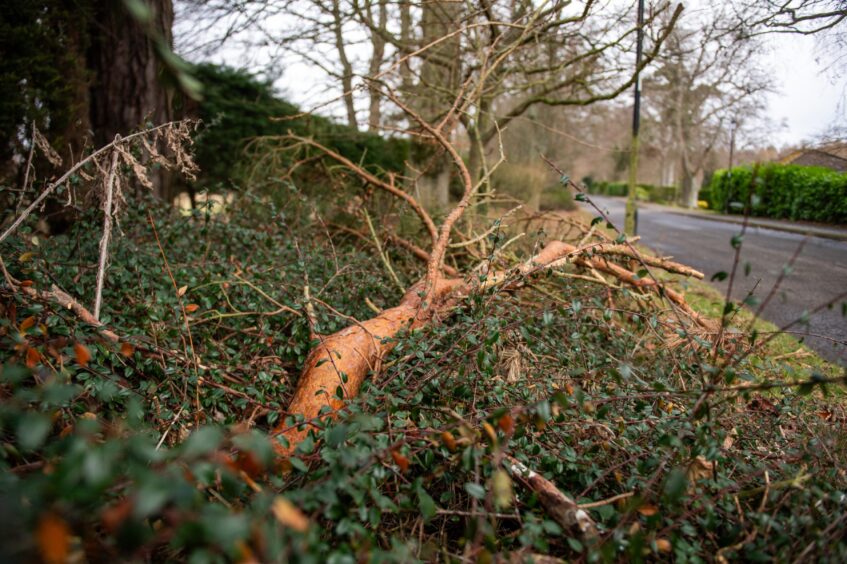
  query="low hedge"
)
[
  {"x": 645, "y": 192},
  {"x": 782, "y": 191}
]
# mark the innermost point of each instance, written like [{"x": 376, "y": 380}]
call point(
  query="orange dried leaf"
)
[
  {"x": 27, "y": 323},
  {"x": 663, "y": 545},
  {"x": 127, "y": 349},
  {"x": 114, "y": 516},
  {"x": 249, "y": 463},
  {"x": 289, "y": 515},
  {"x": 33, "y": 357},
  {"x": 53, "y": 538},
  {"x": 489, "y": 430},
  {"x": 449, "y": 441},
  {"x": 26, "y": 283},
  {"x": 400, "y": 460},
  {"x": 191, "y": 308},
  {"x": 246, "y": 554},
  {"x": 82, "y": 354},
  {"x": 648, "y": 510},
  {"x": 506, "y": 424},
  {"x": 181, "y": 291}
]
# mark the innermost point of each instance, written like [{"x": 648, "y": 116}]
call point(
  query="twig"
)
[
  {"x": 601, "y": 503},
  {"x": 49, "y": 190},
  {"x": 382, "y": 254},
  {"x": 107, "y": 232},
  {"x": 168, "y": 430}
]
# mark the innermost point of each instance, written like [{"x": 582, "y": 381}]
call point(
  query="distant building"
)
[{"x": 833, "y": 157}]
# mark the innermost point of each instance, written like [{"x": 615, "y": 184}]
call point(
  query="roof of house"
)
[{"x": 833, "y": 156}]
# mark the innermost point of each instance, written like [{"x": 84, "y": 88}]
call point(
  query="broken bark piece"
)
[{"x": 562, "y": 509}]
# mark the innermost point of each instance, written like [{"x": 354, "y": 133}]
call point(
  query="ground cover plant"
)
[{"x": 571, "y": 408}]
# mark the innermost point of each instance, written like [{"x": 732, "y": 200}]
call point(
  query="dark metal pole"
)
[
  {"x": 728, "y": 178},
  {"x": 631, "y": 217}
]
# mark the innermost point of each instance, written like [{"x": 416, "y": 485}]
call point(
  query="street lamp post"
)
[{"x": 631, "y": 217}]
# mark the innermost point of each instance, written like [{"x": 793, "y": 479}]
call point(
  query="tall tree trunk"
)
[
  {"x": 691, "y": 182},
  {"x": 439, "y": 82},
  {"x": 346, "y": 67},
  {"x": 127, "y": 90},
  {"x": 377, "y": 56}
]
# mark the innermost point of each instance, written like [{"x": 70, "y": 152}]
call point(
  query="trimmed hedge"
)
[{"x": 782, "y": 191}]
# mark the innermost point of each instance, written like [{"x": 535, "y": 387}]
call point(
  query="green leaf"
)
[
  {"x": 336, "y": 435},
  {"x": 426, "y": 504},
  {"x": 596, "y": 220},
  {"x": 298, "y": 464},
  {"x": 736, "y": 241},
  {"x": 202, "y": 441},
  {"x": 475, "y": 490},
  {"x": 33, "y": 429},
  {"x": 307, "y": 445},
  {"x": 719, "y": 276}
]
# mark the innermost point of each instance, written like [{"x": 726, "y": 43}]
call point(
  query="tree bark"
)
[
  {"x": 377, "y": 56},
  {"x": 127, "y": 90},
  {"x": 346, "y": 67},
  {"x": 438, "y": 85},
  {"x": 335, "y": 370}
]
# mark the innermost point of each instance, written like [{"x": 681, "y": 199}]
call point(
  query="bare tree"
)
[
  {"x": 482, "y": 64},
  {"x": 705, "y": 79}
]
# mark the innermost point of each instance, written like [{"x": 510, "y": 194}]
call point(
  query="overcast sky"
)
[{"x": 809, "y": 99}]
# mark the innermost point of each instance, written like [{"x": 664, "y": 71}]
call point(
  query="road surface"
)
[{"x": 819, "y": 274}]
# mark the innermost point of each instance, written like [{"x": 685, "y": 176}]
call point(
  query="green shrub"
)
[
  {"x": 556, "y": 198},
  {"x": 644, "y": 192},
  {"x": 237, "y": 108},
  {"x": 604, "y": 188},
  {"x": 782, "y": 191},
  {"x": 144, "y": 453}
]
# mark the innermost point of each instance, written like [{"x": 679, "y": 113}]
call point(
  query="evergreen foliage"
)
[
  {"x": 782, "y": 191},
  {"x": 239, "y": 109},
  {"x": 139, "y": 450}
]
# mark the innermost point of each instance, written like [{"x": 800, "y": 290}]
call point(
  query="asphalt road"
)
[{"x": 819, "y": 274}]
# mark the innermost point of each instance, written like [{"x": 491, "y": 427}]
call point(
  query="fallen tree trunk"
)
[{"x": 335, "y": 370}]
